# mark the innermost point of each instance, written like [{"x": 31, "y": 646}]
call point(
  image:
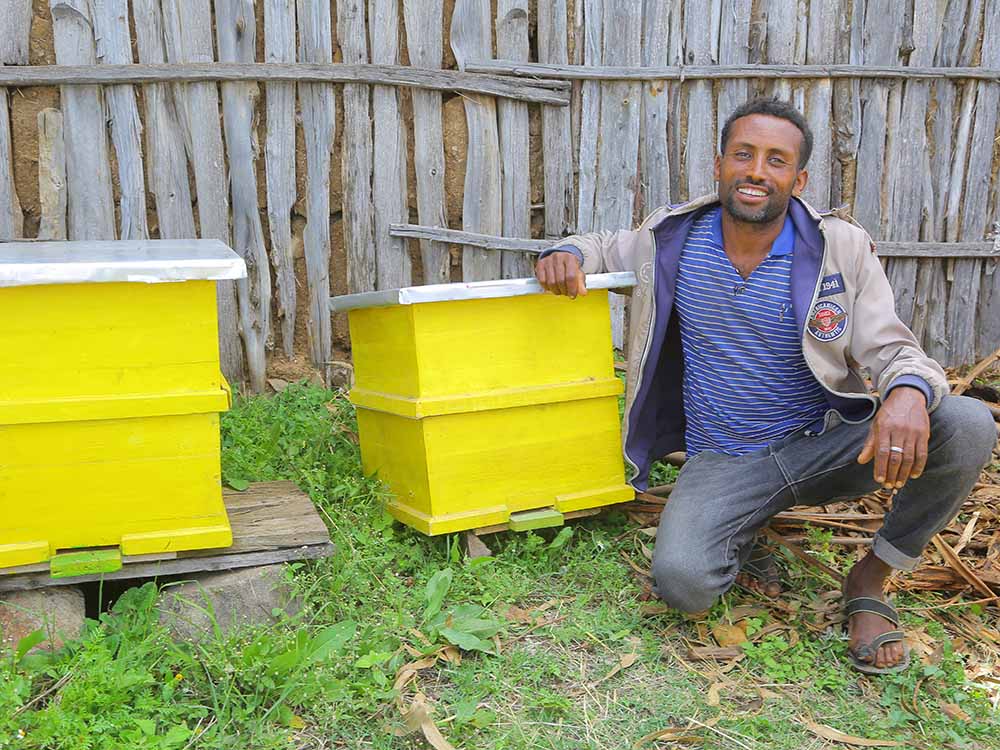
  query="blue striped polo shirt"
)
[{"x": 746, "y": 383}]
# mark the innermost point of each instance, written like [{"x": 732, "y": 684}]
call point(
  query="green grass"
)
[{"x": 324, "y": 679}]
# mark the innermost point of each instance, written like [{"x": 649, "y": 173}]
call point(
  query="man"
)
[{"x": 753, "y": 323}]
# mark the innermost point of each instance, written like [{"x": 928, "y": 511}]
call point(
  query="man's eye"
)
[
  {"x": 742, "y": 155},
  {"x": 777, "y": 161}
]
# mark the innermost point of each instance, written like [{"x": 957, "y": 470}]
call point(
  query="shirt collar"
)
[{"x": 784, "y": 243}]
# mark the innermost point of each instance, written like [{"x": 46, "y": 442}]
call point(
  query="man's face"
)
[{"x": 759, "y": 171}]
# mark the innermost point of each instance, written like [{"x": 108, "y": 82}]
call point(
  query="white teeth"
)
[{"x": 752, "y": 191}]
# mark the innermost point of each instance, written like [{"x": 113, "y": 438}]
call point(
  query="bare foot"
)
[{"x": 867, "y": 578}]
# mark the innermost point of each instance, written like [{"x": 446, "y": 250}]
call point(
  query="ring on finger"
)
[{"x": 896, "y": 449}]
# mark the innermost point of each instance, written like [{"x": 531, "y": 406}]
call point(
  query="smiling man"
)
[{"x": 754, "y": 324}]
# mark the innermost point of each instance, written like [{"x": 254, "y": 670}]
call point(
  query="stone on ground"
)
[
  {"x": 233, "y": 598},
  {"x": 59, "y": 610}
]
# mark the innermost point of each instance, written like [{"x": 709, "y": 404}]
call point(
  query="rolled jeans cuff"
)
[{"x": 891, "y": 555}]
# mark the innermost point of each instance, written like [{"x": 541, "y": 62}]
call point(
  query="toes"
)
[{"x": 772, "y": 590}]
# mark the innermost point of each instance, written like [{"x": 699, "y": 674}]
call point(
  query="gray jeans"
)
[{"x": 720, "y": 501}]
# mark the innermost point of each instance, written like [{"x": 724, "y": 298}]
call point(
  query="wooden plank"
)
[
  {"x": 318, "y": 127},
  {"x": 481, "y": 208},
  {"x": 51, "y": 175},
  {"x": 965, "y": 219},
  {"x": 909, "y": 160},
  {"x": 701, "y": 140},
  {"x": 846, "y": 106},
  {"x": 88, "y": 172},
  {"x": 392, "y": 255},
  {"x": 236, "y": 33},
  {"x": 824, "y": 16},
  {"x": 590, "y": 114},
  {"x": 734, "y": 49},
  {"x": 475, "y": 239},
  {"x": 654, "y": 160},
  {"x": 114, "y": 47},
  {"x": 271, "y": 522},
  {"x": 279, "y": 163},
  {"x": 980, "y": 333},
  {"x": 556, "y": 126},
  {"x": 187, "y": 32},
  {"x": 936, "y": 249},
  {"x": 166, "y": 160},
  {"x": 424, "y": 35},
  {"x": 356, "y": 162},
  {"x": 515, "y": 188},
  {"x": 11, "y": 219},
  {"x": 781, "y": 29},
  {"x": 15, "y": 31},
  {"x": 881, "y": 42},
  {"x": 695, "y": 72},
  {"x": 989, "y": 297}
]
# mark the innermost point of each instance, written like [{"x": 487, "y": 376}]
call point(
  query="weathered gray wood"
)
[
  {"x": 271, "y": 521},
  {"x": 701, "y": 140},
  {"x": 654, "y": 161},
  {"x": 356, "y": 161},
  {"x": 51, "y": 175},
  {"x": 931, "y": 249},
  {"x": 279, "y": 163},
  {"x": 883, "y": 19},
  {"x": 114, "y": 47},
  {"x": 734, "y": 49},
  {"x": 424, "y": 42},
  {"x": 318, "y": 126},
  {"x": 187, "y": 31},
  {"x": 618, "y": 146},
  {"x": 11, "y": 219},
  {"x": 166, "y": 161},
  {"x": 908, "y": 160},
  {"x": 512, "y": 44},
  {"x": 967, "y": 322},
  {"x": 236, "y": 28},
  {"x": 823, "y": 18},
  {"x": 781, "y": 19},
  {"x": 556, "y": 125},
  {"x": 485, "y": 241},
  {"x": 15, "y": 31},
  {"x": 590, "y": 114},
  {"x": 597, "y": 72},
  {"x": 536, "y": 90},
  {"x": 481, "y": 207},
  {"x": 846, "y": 103},
  {"x": 988, "y": 327},
  {"x": 88, "y": 172},
  {"x": 392, "y": 255}
]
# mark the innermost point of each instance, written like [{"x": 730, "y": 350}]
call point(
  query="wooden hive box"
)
[
  {"x": 479, "y": 401},
  {"x": 110, "y": 393}
]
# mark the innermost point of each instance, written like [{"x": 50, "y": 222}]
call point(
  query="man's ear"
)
[
  {"x": 718, "y": 166},
  {"x": 801, "y": 179}
]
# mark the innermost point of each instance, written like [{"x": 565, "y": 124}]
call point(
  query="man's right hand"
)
[{"x": 560, "y": 273}]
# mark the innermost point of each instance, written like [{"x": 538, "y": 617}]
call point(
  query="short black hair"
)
[{"x": 774, "y": 108}]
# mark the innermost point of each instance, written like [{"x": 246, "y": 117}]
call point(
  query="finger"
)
[
  {"x": 895, "y": 460},
  {"x": 543, "y": 272},
  {"x": 572, "y": 281},
  {"x": 868, "y": 449},
  {"x": 919, "y": 457},
  {"x": 581, "y": 279},
  {"x": 906, "y": 465},
  {"x": 559, "y": 270},
  {"x": 882, "y": 454}
]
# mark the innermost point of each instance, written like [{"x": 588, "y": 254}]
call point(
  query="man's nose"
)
[{"x": 755, "y": 170}]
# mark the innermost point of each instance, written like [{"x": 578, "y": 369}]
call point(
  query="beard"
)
[{"x": 774, "y": 207}]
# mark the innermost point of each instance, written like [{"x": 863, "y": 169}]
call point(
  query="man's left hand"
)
[{"x": 902, "y": 422}]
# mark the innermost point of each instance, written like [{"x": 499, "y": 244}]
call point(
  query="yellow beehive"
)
[
  {"x": 479, "y": 401},
  {"x": 110, "y": 390}
]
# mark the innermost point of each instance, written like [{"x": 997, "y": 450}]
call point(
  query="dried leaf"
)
[
  {"x": 624, "y": 662},
  {"x": 670, "y": 734},
  {"x": 277, "y": 384},
  {"x": 649, "y": 531},
  {"x": 713, "y": 693},
  {"x": 712, "y": 653},
  {"x": 834, "y": 735},
  {"x": 476, "y": 547},
  {"x": 516, "y": 614},
  {"x": 653, "y": 608},
  {"x": 729, "y": 635},
  {"x": 954, "y": 711},
  {"x": 451, "y": 655},
  {"x": 417, "y": 717}
]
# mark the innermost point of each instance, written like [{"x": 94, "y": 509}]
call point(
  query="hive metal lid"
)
[
  {"x": 144, "y": 261},
  {"x": 414, "y": 295}
]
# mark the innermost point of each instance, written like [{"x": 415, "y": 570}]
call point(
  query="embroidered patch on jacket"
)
[
  {"x": 828, "y": 321},
  {"x": 831, "y": 285}
]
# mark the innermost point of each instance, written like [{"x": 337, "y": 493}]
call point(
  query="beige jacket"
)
[{"x": 841, "y": 299}]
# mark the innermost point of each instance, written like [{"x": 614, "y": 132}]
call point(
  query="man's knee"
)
[
  {"x": 684, "y": 582},
  {"x": 966, "y": 427}
]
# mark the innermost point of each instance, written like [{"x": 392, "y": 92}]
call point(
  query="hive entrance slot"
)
[{"x": 85, "y": 561}]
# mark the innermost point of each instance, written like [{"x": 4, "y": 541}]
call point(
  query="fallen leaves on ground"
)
[{"x": 835, "y": 735}]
